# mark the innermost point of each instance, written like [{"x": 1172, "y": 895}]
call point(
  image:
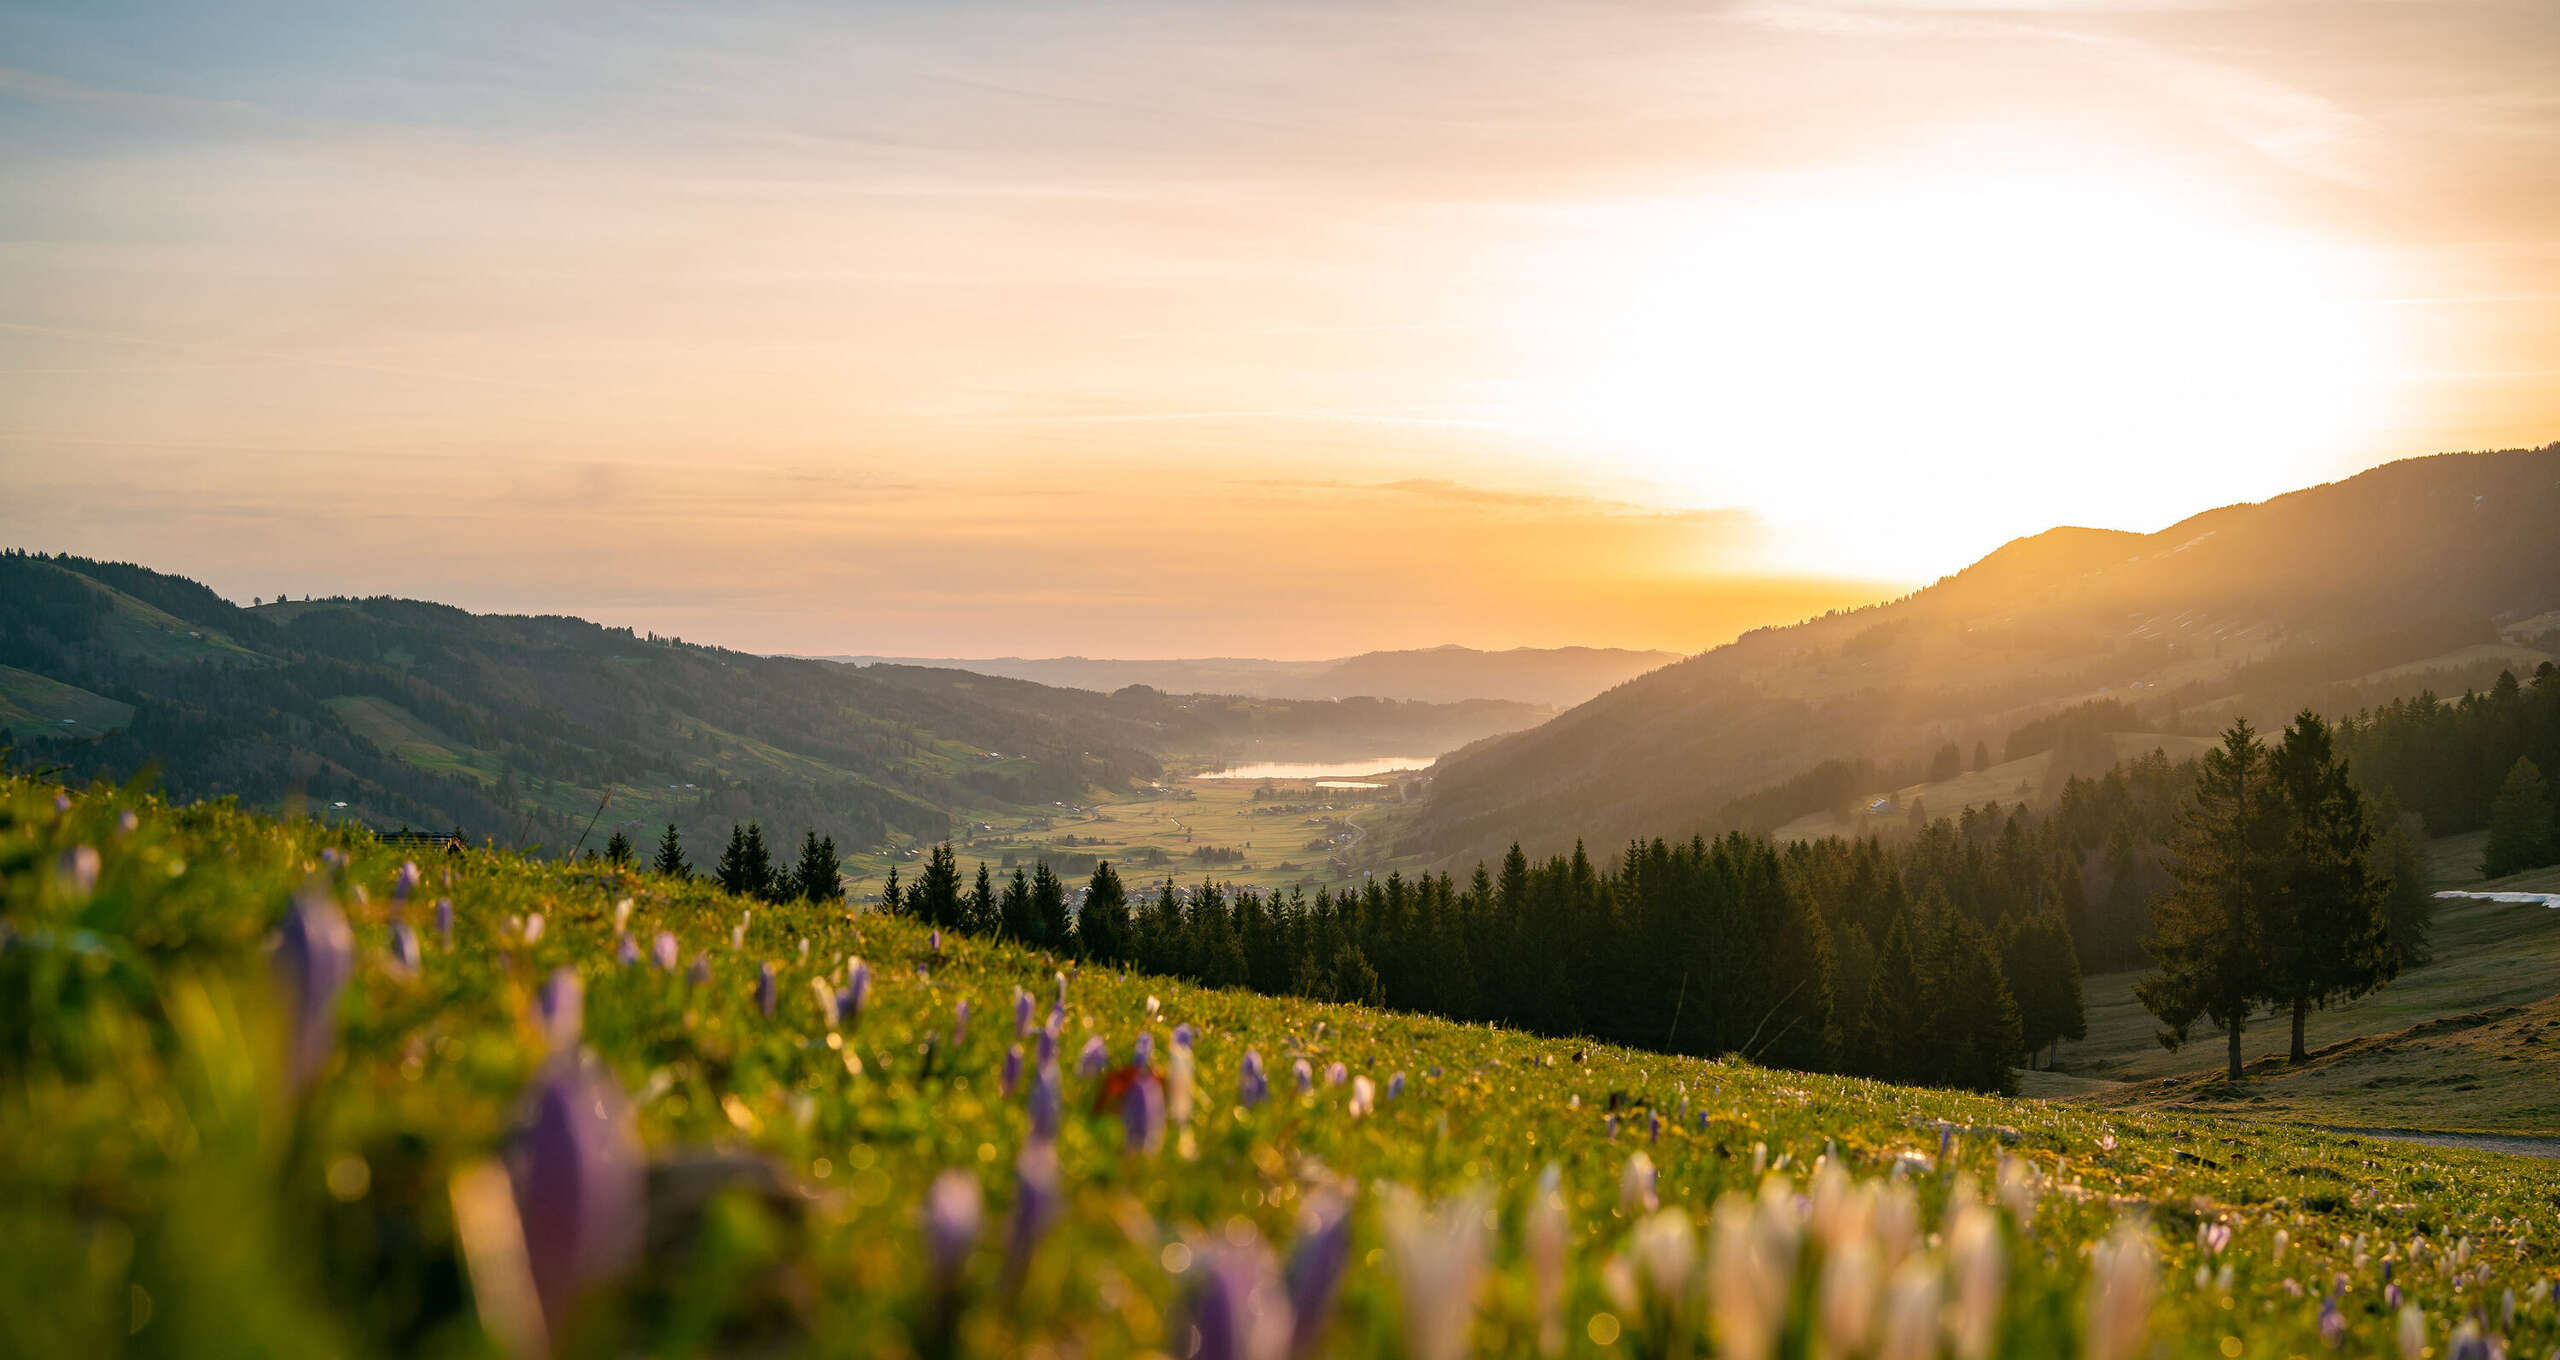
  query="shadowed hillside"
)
[{"x": 2406, "y": 576}]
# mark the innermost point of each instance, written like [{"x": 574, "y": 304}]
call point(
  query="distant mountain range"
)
[
  {"x": 1554, "y": 677},
  {"x": 403, "y": 712},
  {"x": 2429, "y": 573}
]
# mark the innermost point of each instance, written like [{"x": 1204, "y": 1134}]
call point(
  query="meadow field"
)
[{"x": 270, "y": 1089}]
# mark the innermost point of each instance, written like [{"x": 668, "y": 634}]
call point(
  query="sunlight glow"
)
[{"x": 1885, "y": 372}]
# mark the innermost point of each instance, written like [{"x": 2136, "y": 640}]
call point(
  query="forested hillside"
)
[
  {"x": 2431, "y": 573},
  {"x": 513, "y": 727}
]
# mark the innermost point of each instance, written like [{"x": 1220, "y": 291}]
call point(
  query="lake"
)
[{"x": 1320, "y": 769}]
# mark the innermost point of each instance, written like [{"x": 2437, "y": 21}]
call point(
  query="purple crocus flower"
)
[
  {"x": 937, "y": 941},
  {"x": 1021, "y": 1013},
  {"x": 1061, "y": 1002},
  {"x": 1142, "y": 1115},
  {"x": 1316, "y": 1267},
  {"x": 404, "y": 884},
  {"x": 951, "y": 1212},
  {"x": 76, "y": 869},
  {"x": 559, "y": 1008},
  {"x": 960, "y": 1023},
  {"x": 1012, "y": 1069},
  {"x": 1145, "y": 1056},
  {"x": 1095, "y": 1057},
  {"x": 1395, "y": 1086},
  {"x": 580, "y": 1185},
  {"x": 1036, "y": 1200},
  {"x": 1335, "y": 1074},
  {"x": 626, "y": 951},
  {"x": 700, "y": 973},
  {"x": 1182, "y": 1036},
  {"x": 1241, "y": 1310},
  {"x": 404, "y": 947},
  {"x": 444, "y": 924},
  {"x": 666, "y": 951},
  {"x": 1252, "y": 1086},
  {"x": 857, "y": 989},
  {"x": 2333, "y": 1324},
  {"x": 1306, "y": 1076},
  {"x": 765, "y": 990},
  {"x": 1652, "y": 1127},
  {"x": 1046, "y": 1048},
  {"x": 315, "y": 954},
  {"x": 1045, "y": 1102}
]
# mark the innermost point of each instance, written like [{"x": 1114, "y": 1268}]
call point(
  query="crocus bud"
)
[
  {"x": 1095, "y": 1057},
  {"x": 1045, "y": 1048},
  {"x": 580, "y": 1185},
  {"x": 1145, "y": 1054},
  {"x": 559, "y": 1007},
  {"x": 1306, "y": 1076},
  {"x": 2119, "y": 1298},
  {"x": 960, "y": 1023},
  {"x": 1976, "y": 1273},
  {"x": 1061, "y": 1002},
  {"x": 1395, "y": 1086},
  {"x": 1012, "y": 1069},
  {"x": 951, "y": 1212},
  {"x": 937, "y": 941},
  {"x": 1036, "y": 1200},
  {"x": 765, "y": 996},
  {"x": 1438, "y": 1259},
  {"x": 1021, "y": 1013},
  {"x": 444, "y": 924},
  {"x": 1142, "y": 1115},
  {"x": 1045, "y": 1102},
  {"x": 1178, "y": 1079},
  {"x": 404, "y": 947},
  {"x": 1335, "y": 1074},
  {"x": 666, "y": 951},
  {"x": 1637, "y": 1184},
  {"x": 1364, "y": 1096},
  {"x": 1182, "y": 1036},
  {"x": 700, "y": 973},
  {"x": 315, "y": 954},
  {"x": 533, "y": 928},
  {"x": 1316, "y": 1266},
  {"x": 76, "y": 869},
  {"x": 624, "y": 951},
  {"x": 404, "y": 884},
  {"x": 1252, "y": 1086},
  {"x": 857, "y": 989},
  {"x": 1240, "y": 1310},
  {"x": 1545, "y": 1235}
]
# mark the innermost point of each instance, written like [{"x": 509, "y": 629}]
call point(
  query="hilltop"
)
[
  {"x": 738, "y": 1165},
  {"x": 401, "y": 712},
  {"x": 2430, "y": 573},
  {"x": 1550, "y": 677}
]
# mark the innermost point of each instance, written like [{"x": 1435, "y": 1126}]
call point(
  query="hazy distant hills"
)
[
  {"x": 2434, "y": 572},
  {"x": 399, "y": 711},
  {"x": 1554, "y": 677}
]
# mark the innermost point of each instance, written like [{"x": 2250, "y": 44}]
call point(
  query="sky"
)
[{"x": 1240, "y": 328}]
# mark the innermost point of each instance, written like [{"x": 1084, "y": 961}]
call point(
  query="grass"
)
[
  {"x": 2010, "y": 782},
  {"x": 164, "y": 1189},
  {"x": 33, "y": 706},
  {"x": 2454, "y": 1044},
  {"x": 400, "y": 733}
]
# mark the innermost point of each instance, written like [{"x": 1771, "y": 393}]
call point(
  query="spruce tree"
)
[
  {"x": 892, "y": 897},
  {"x": 618, "y": 849},
  {"x": 2209, "y": 931},
  {"x": 2329, "y": 935},
  {"x": 2044, "y": 977},
  {"x": 1974, "y": 1023},
  {"x": 2520, "y": 823},
  {"x": 732, "y": 873},
  {"x": 978, "y": 914},
  {"x": 935, "y": 898},
  {"x": 1049, "y": 909},
  {"x": 758, "y": 871},
  {"x": 1102, "y": 923},
  {"x": 819, "y": 876},
  {"x": 670, "y": 860},
  {"x": 1013, "y": 913}
]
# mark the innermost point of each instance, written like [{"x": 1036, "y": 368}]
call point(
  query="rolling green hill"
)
[
  {"x": 208, "y": 1149},
  {"x": 397, "y": 712}
]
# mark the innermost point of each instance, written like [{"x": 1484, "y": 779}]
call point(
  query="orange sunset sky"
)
[{"x": 1240, "y": 328}]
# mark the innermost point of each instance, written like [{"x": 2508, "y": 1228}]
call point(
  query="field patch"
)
[{"x": 32, "y": 705}]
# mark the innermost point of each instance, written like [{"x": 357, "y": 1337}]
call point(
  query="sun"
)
[{"x": 1891, "y": 370}]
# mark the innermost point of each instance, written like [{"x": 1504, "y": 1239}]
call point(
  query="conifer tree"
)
[
  {"x": 935, "y": 898},
  {"x": 2044, "y": 977},
  {"x": 1102, "y": 923},
  {"x": 892, "y": 897},
  {"x": 732, "y": 873},
  {"x": 2520, "y": 822},
  {"x": 2208, "y": 932},
  {"x": 978, "y": 914},
  {"x": 757, "y": 870},
  {"x": 618, "y": 849},
  {"x": 670, "y": 860},
  {"x": 1050, "y": 924},
  {"x": 1013, "y": 913},
  {"x": 819, "y": 876},
  {"x": 2329, "y": 933}
]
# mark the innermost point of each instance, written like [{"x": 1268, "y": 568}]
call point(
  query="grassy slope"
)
[
  {"x": 2009, "y": 782},
  {"x": 2466, "y": 1042},
  {"x": 150, "y": 1170},
  {"x": 31, "y": 705}
]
